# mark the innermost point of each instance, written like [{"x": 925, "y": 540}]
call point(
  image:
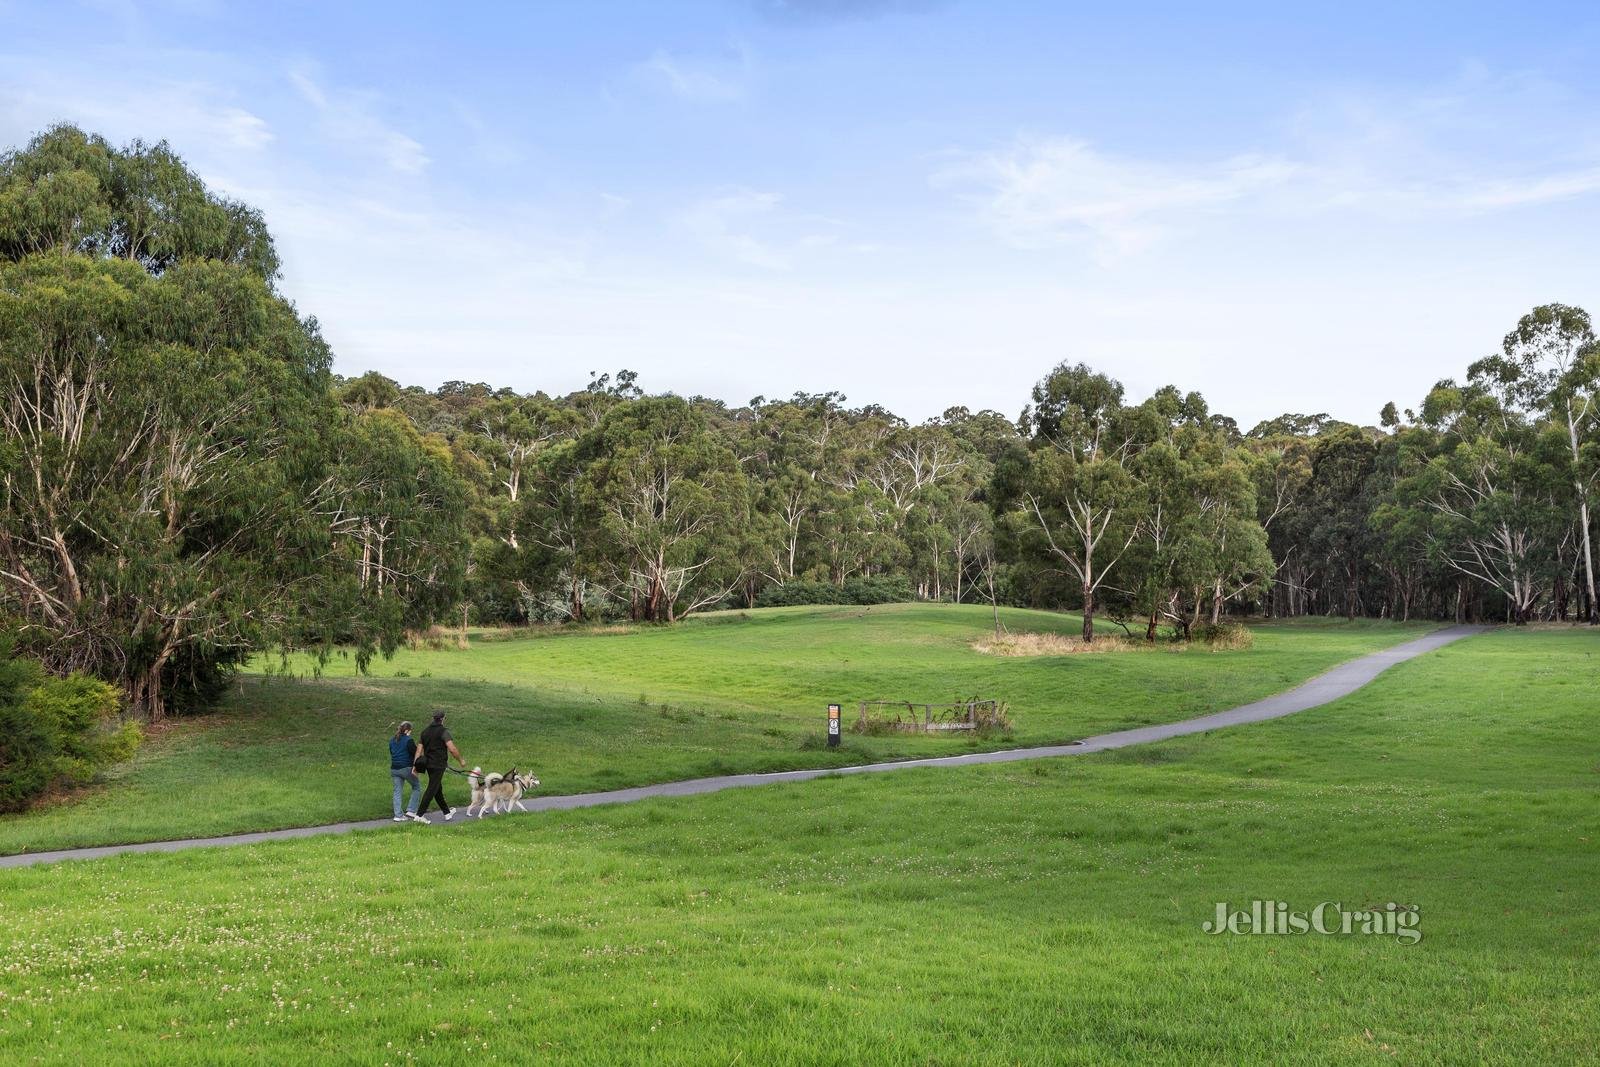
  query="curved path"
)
[{"x": 1324, "y": 688}]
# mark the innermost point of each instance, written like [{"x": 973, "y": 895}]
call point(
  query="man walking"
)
[{"x": 437, "y": 748}]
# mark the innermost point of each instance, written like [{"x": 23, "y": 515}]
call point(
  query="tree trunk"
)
[
  {"x": 1588, "y": 564},
  {"x": 1583, "y": 518},
  {"x": 145, "y": 699},
  {"x": 994, "y": 601},
  {"x": 1088, "y": 613}
]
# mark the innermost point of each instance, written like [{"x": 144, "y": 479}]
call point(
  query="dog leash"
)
[{"x": 468, "y": 774}]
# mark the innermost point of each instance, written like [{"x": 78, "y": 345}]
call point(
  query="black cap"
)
[{"x": 438, "y": 716}]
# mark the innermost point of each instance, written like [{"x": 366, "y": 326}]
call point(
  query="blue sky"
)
[{"x": 918, "y": 203}]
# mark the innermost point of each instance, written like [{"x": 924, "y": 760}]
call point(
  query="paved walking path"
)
[{"x": 1324, "y": 688}]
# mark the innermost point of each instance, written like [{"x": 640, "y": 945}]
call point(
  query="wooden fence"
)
[{"x": 926, "y": 718}]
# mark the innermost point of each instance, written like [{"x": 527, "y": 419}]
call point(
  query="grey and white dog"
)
[{"x": 498, "y": 792}]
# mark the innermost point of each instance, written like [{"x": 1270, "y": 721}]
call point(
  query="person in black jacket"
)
[{"x": 437, "y": 748}]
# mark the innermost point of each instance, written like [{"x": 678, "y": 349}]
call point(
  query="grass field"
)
[
  {"x": 589, "y": 711},
  {"x": 1025, "y": 913}
]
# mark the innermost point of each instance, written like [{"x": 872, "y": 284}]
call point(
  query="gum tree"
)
[
  {"x": 170, "y": 491},
  {"x": 1073, "y": 497},
  {"x": 665, "y": 490},
  {"x": 1550, "y": 366}
]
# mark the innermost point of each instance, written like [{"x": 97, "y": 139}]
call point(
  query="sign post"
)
[{"x": 833, "y": 726}]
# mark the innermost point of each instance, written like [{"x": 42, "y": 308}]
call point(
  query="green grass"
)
[
  {"x": 732, "y": 692},
  {"x": 1023, "y": 913}
]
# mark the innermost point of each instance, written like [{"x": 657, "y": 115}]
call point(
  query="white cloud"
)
[
  {"x": 694, "y": 79},
  {"x": 1444, "y": 154},
  {"x": 350, "y": 116},
  {"x": 1044, "y": 191},
  {"x": 186, "y": 113},
  {"x": 1479, "y": 142},
  {"x": 490, "y": 143},
  {"x": 1537, "y": 190},
  {"x": 721, "y": 223},
  {"x": 244, "y": 130}
]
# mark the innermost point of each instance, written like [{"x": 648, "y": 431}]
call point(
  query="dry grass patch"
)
[
  {"x": 492, "y": 635},
  {"x": 1228, "y": 637},
  {"x": 1047, "y": 644}
]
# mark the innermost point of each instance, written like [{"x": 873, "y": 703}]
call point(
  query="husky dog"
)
[{"x": 498, "y": 791}]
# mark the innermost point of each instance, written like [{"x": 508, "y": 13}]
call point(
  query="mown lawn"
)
[
  {"x": 1025, "y": 913},
  {"x": 591, "y": 711}
]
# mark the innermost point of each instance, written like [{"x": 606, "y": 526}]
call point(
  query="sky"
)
[{"x": 1308, "y": 208}]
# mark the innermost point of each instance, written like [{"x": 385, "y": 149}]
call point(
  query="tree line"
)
[{"x": 186, "y": 483}]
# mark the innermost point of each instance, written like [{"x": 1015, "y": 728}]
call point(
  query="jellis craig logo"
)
[{"x": 1400, "y": 921}]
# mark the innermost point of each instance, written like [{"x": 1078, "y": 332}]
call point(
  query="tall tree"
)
[
  {"x": 168, "y": 470},
  {"x": 1490, "y": 492},
  {"x": 1551, "y": 364},
  {"x": 1075, "y": 497},
  {"x": 665, "y": 489}
]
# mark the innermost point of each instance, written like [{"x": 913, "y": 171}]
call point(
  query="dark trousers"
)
[{"x": 435, "y": 791}]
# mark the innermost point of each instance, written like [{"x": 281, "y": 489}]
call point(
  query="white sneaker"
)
[
  {"x": 414, "y": 817},
  {"x": 399, "y": 818},
  {"x": 449, "y": 814}
]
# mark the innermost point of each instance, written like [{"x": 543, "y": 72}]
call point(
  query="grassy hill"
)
[
  {"x": 1026, "y": 913},
  {"x": 742, "y": 691}
]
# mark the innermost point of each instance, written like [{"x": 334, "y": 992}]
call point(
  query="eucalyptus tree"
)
[
  {"x": 515, "y": 429},
  {"x": 862, "y": 509},
  {"x": 398, "y": 513},
  {"x": 1230, "y": 554},
  {"x": 169, "y": 480},
  {"x": 666, "y": 491},
  {"x": 369, "y": 392},
  {"x": 1331, "y": 518},
  {"x": 69, "y": 192},
  {"x": 557, "y": 537},
  {"x": 1074, "y": 498},
  {"x": 1550, "y": 366},
  {"x": 1280, "y": 463},
  {"x": 162, "y": 463},
  {"x": 1200, "y": 544},
  {"x": 784, "y": 451},
  {"x": 1489, "y": 490},
  {"x": 1401, "y": 530}
]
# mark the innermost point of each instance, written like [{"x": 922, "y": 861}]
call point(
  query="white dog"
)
[{"x": 499, "y": 791}]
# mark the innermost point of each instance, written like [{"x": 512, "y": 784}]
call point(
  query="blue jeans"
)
[{"x": 403, "y": 776}]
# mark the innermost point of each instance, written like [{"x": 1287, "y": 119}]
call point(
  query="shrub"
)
[
  {"x": 1225, "y": 635},
  {"x": 875, "y": 590},
  {"x": 55, "y": 732}
]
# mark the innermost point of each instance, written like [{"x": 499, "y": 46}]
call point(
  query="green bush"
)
[
  {"x": 1225, "y": 635},
  {"x": 876, "y": 590},
  {"x": 55, "y": 732}
]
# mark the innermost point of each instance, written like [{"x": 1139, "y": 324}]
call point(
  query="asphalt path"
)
[{"x": 1341, "y": 681}]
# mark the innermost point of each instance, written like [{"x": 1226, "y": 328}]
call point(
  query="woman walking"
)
[{"x": 402, "y": 756}]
